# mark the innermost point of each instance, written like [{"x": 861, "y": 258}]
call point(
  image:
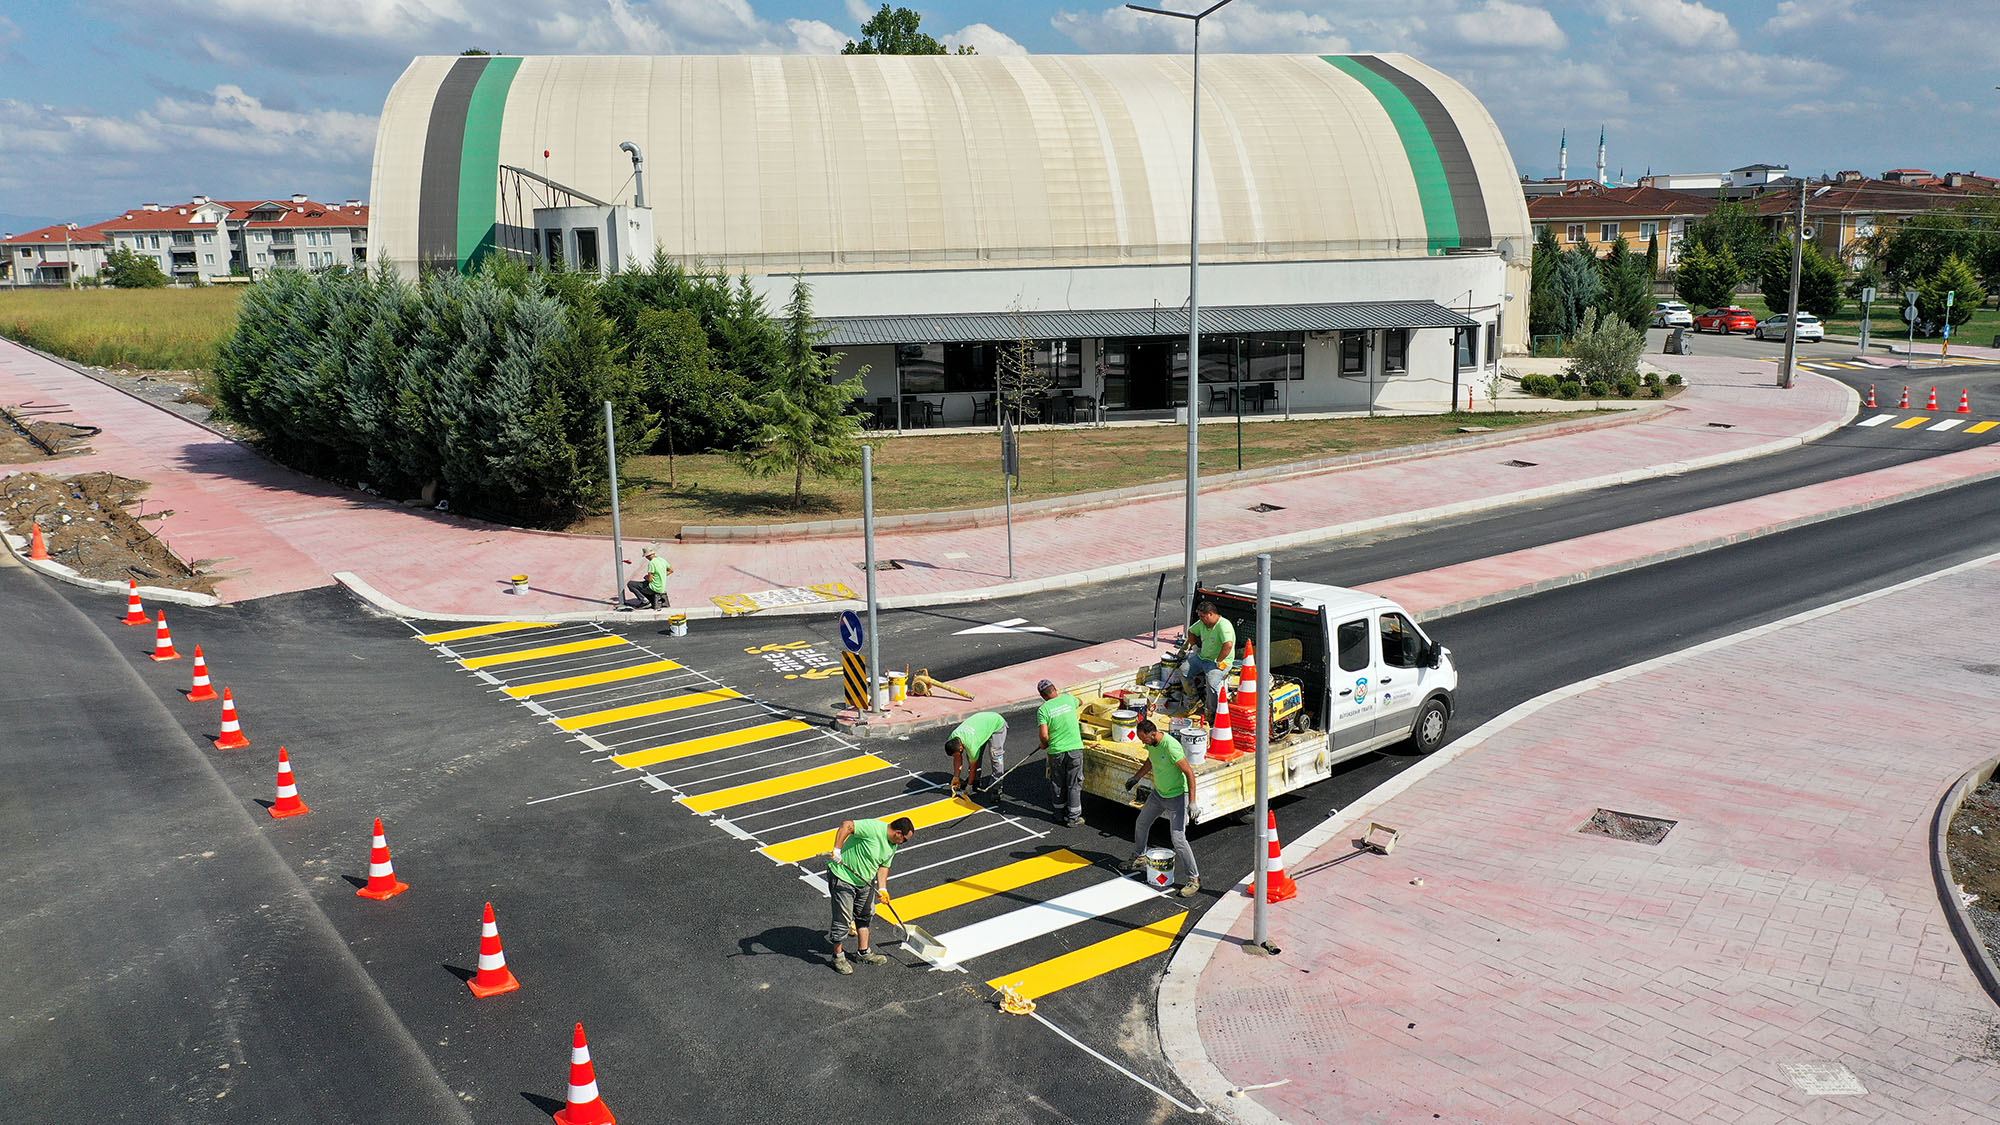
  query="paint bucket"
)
[
  {"x": 677, "y": 625},
  {"x": 1194, "y": 740},
  {"x": 520, "y": 584},
  {"x": 899, "y": 687},
  {"x": 883, "y": 693},
  {"x": 1124, "y": 726},
  {"x": 1159, "y": 868}
]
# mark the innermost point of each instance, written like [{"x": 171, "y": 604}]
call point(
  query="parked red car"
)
[{"x": 1725, "y": 321}]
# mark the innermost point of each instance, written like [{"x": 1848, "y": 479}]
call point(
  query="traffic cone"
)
[
  {"x": 1905, "y": 404},
  {"x": 1278, "y": 886},
  {"x": 202, "y": 691},
  {"x": 583, "y": 1106},
  {"x": 1871, "y": 396},
  {"x": 231, "y": 737},
  {"x": 1222, "y": 738},
  {"x": 494, "y": 977},
  {"x": 1245, "y": 708},
  {"x": 135, "y": 613},
  {"x": 1965, "y": 402},
  {"x": 163, "y": 641},
  {"x": 1932, "y": 405},
  {"x": 288, "y": 790},
  {"x": 38, "y": 548},
  {"x": 382, "y": 882}
]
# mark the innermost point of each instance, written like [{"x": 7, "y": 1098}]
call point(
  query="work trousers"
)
[
  {"x": 1175, "y": 809},
  {"x": 643, "y": 590},
  {"x": 1066, "y": 782},
  {"x": 993, "y": 759},
  {"x": 1204, "y": 676},
  {"x": 853, "y": 907}
]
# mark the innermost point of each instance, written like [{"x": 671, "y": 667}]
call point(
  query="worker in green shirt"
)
[
  {"x": 651, "y": 589},
  {"x": 1062, "y": 738},
  {"x": 980, "y": 743},
  {"x": 1173, "y": 795},
  {"x": 857, "y": 873},
  {"x": 1207, "y": 668}
]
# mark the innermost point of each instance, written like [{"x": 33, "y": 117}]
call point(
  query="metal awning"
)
[{"x": 951, "y": 328}]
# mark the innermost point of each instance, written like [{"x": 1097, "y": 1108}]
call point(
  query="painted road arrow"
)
[{"x": 1011, "y": 625}]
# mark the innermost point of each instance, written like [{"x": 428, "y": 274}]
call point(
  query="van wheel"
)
[{"x": 1433, "y": 719}]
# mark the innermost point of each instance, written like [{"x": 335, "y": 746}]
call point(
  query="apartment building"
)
[
  {"x": 54, "y": 255},
  {"x": 217, "y": 240},
  {"x": 1597, "y": 218}
]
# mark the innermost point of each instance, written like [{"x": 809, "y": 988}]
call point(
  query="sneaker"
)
[
  {"x": 1189, "y": 888},
  {"x": 841, "y": 966},
  {"x": 870, "y": 957}
]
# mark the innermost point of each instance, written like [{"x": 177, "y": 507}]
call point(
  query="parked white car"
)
[
  {"x": 1773, "y": 327},
  {"x": 1672, "y": 314}
]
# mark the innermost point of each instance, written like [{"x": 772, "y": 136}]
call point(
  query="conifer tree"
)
[{"x": 804, "y": 421}]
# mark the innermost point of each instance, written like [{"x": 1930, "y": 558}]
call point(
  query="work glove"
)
[
  {"x": 1130, "y": 782},
  {"x": 836, "y": 855}
]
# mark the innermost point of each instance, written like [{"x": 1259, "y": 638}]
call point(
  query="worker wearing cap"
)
[
  {"x": 1172, "y": 795},
  {"x": 978, "y": 745},
  {"x": 1208, "y": 667},
  {"x": 1062, "y": 738},
  {"x": 857, "y": 873},
  {"x": 652, "y": 589}
]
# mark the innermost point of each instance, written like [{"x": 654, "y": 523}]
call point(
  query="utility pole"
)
[
  {"x": 617, "y": 529},
  {"x": 876, "y": 674},
  {"x": 1792, "y": 298}
]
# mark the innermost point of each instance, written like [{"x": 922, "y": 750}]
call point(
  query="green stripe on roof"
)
[
  {"x": 479, "y": 161},
  {"x": 1433, "y": 189}
]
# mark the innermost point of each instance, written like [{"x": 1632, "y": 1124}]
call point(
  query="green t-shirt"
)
[
  {"x": 975, "y": 731},
  {"x": 867, "y": 850},
  {"x": 1168, "y": 781},
  {"x": 1065, "y": 728},
  {"x": 1213, "y": 641},
  {"x": 656, "y": 574}
]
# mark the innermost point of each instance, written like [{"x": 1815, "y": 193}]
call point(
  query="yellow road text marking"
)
[
  {"x": 524, "y": 691},
  {"x": 673, "y": 751},
  {"x": 641, "y": 710},
  {"x": 483, "y": 631},
  {"x": 923, "y": 816},
  {"x": 499, "y": 658},
  {"x": 972, "y": 888},
  {"x": 788, "y": 783},
  {"x": 1094, "y": 960}
]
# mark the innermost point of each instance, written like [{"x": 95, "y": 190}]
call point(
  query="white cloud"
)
[
  {"x": 1498, "y": 23},
  {"x": 1798, "y": 15},
  {"x": 859, "y": 10},
  {"x": 229, "y": 121},
  {"x": 1683, "y": 23},
  {"x": 986, "y": 40},
  {"x": 813, "y": 37},
  {"x": 1243, "y": 26}
]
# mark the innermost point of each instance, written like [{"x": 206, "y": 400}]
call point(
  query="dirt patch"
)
[
  {"x": 23, "y": 438},
  {"x": 89, "y": 526},
  {"x": 1972, "y": 847}
]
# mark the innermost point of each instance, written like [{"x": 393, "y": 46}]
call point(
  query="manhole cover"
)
[
  {"x": 1627, "y": 826},
  {"x": 1823, "y": 1078},
  {"x": 1274, "y": 1024},
  {"x": 1517, "y": 463},
  {"x": 1261, "y": 508}
]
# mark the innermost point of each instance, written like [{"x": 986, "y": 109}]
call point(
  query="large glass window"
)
[
  {"x": 1467, "y": 348},
  {"x": 1395, "y": 349},
  {"x": 1400, "y": 646}
]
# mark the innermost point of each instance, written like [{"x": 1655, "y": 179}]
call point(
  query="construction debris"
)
[{"x": 90, "y": 526}]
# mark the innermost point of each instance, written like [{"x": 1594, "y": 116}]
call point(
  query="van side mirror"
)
[{"x": 1433, "y": 655}]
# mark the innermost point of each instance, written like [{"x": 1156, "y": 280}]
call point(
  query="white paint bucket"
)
[
  {"x": 677, "y": 625},
  {"x": 1159, "y": 868},
  {"x": 1124, "y": 726},
  {"x": 883, "y": 693},
  {"x": 899, "y": 687},
  {"x": 1194, "y": 740},
  {"x": 520, "y": 584}
]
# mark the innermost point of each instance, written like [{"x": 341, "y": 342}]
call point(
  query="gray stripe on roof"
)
[{"x": 849, "y": 331}]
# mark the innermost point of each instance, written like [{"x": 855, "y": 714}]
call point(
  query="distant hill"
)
[{"x": 17, "y": 224}]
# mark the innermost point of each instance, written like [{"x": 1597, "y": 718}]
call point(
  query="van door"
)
[
  {"x": 1398, "y": 673},
  {"x": 1351, "y": 683}
]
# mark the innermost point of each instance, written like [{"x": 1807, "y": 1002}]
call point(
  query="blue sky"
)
[{"x": 105, "y": 104}]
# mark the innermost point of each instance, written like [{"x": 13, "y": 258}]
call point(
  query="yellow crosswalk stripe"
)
[
  {"x": 787, "y": 783},
  {"x": 483, "y": 631},
  {"x": 653, "y": 707},
  {"x": 1093, "y": 960},
  {"x": 673, "y": 751},
  {"x": 1908, "y": 422},
  {"x": 972, "y": 888},
  {"x": 1980, "y": 427},
  {"x": 525, "y": 691},
  {"x": 923, "y": 816},
  {"x": 542, "y": 653}
]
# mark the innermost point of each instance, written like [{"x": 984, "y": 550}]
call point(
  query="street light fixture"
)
[
  {"x": 1194, "y": 309},
  {"x": 1792, "y": 301}
]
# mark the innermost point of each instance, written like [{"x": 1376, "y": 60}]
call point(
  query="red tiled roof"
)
[
  {"x": 1618, "y": 203},
  {"x": 1872, "y": 196},
  {"x": 81, "y": 236},
  {"x": 181, "y": 216}
]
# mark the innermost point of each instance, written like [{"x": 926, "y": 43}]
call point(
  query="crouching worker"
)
[
  {"x": 978, "y": 747},
  {"x": 856, "y": 875}
]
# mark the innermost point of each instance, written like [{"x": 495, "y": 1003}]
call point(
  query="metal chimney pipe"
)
[{"x": 638, "y": 172}]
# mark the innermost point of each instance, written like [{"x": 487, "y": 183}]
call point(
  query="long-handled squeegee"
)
[{"x": 918, "y": 940}]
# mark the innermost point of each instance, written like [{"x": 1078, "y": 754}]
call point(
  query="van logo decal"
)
[{"x": 1360, "y": 689}]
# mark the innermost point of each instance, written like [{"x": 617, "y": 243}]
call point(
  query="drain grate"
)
[
  {"x": 1262, "y": 508},
  {"x": 1517, "y": 463},
  {"x": 1627, "y": 826}
]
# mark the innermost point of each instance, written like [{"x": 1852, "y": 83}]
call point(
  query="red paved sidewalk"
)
[
  {"x": 1499, "y": 966},
  {"x": 270, "y": 530}
]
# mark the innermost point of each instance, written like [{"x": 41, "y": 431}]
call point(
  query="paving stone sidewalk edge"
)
[
  {"x": 1970, "y": 941},
  {"x": 1180, "y": 1037},
  {"x": 17, "y": 545}
]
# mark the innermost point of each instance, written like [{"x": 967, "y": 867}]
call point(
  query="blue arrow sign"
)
[{"x": 850, "y": 631}]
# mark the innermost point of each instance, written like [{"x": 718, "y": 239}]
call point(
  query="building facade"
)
[
  {"x": 1361, "y": 222},
  {"x": 213, "y": 240},
  {"x": 1596, "y": 219},
  {"x": 54, "y": 255}
]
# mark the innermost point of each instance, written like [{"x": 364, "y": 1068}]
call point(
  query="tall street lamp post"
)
[
  {"x": 1792, "y": 301},
  {"x": 1194, "y": 309}
]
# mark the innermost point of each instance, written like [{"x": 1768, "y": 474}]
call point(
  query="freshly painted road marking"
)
[
  {"x": 542, "y": 653},
  {"x": 1980, "y": 427},
  {"x": 593, "y": 679},
  {"x": 1094, "y": 960},
  {"x": 972, "y": 888},
  {"x": 484, "y": 631},
  {"x": 673, "y": 751},
  {"x": 1876, "y": 421},
  {"x": 1908, "y": 422},
  {"x": 1947, "y": 424},
  {"x": 1011, "y": 625},
  {"x": 788, "y": 783},
  {"x": 969, "y": 943},
  {"x": 923, "y": 816},
  {"x": 655, "y": 707}
]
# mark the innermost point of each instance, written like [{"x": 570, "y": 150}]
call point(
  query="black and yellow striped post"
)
[{"x": 855, "y": 667}]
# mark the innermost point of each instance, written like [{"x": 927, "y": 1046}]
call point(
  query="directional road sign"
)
[{"x": 851, "y": 634}]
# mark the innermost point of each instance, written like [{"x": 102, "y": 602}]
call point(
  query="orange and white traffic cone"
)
[
  {"x": 135, "y": 612},
  {"x": 202, "y": 690},
  {"x": 163, "y": 641},
  {"x": 1222, "y": 737},
  {"x": 494, "y": 977},
  {"x": 231, "y": 737},
  {"x": 1244, "y": 710},
  {"x": 1278, "y": 886},
  {"x": 583, "y": 1106},
  {"x": 1905, "y": 404},
  {"x": 1871, "y": 396},
  {"x": 288, "y": 790},
  {"x": 1965, "y": 401},
  {"x": 38, "y": 548},
  {"x": 1932, "y": 405},
  {"x": 382, "y": 882}
]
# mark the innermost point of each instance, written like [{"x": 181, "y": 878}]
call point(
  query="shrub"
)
[
  {"x": 1598, "y": 388},
  {"x": 1541, "y": 386},
  {"x": 1651, "y": 378},
  {"x": 1673, "y": 378},
  {"x": 1627, "y": 387},
  {"x": 1572, "y": 389},
  {"x": 1605, "y": 350}
]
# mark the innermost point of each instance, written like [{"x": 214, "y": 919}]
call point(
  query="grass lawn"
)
[
  {"x": 938, "y": 473},
  {"x": 1886, "y": 323},
  {"x": 156, "y": 329}
]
